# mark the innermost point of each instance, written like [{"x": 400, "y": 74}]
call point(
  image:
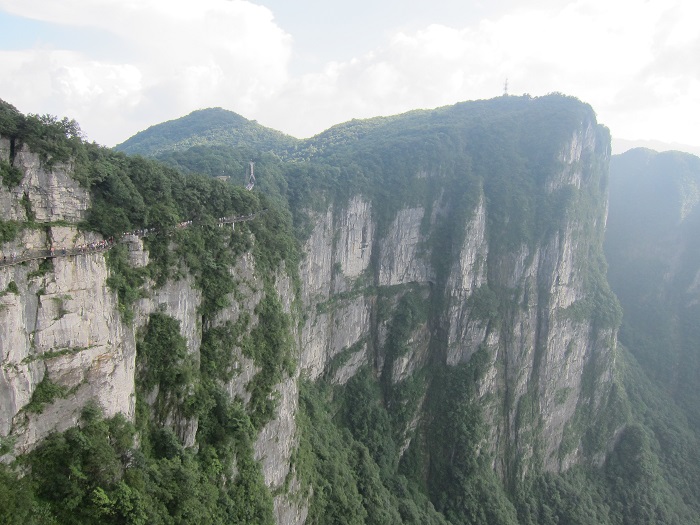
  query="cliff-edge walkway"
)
[{"x": 101, "y": 246}]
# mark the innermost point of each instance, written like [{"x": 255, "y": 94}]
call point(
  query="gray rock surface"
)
[
  {"x": 63, "y": 327},
  {"x": 64, "y": 324}
]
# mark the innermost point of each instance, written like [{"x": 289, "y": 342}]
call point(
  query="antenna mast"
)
[{"x": 505, "y": 88}]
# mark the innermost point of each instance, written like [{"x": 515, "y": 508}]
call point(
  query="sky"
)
[{"x": 120, "y": 66}]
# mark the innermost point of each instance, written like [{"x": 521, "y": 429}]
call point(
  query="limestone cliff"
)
[
  {"x": 61, "y": 329},
  {"x": 471, "y": 245},
  {"x": 521, "y": 303},
  {"x": 60, "y": 323}
]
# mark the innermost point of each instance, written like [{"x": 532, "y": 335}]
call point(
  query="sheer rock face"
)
[
  {"x": 542, "y": 350},
  {"x": 538, "y": 350},
  {"x": 402, "y": 252},
  {"x": 467, "y": 274},
  {"x": 333, "y": 266},
  {"x": 179, "y": 300},
  {"x": 64, "y": 324},
  {"x": 59, "y": 322},
  {"x": 278, "y": 440},
  {"x": 53, "y": 194},
  {"x": 336, "y": 276},
  {"x": 353, "y": 248}
]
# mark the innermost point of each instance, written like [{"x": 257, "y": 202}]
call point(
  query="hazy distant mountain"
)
[
  {"x": 652, "y": 245},
  {"x": 206, "y": 127},
  {"x": 621, "y": 145}
]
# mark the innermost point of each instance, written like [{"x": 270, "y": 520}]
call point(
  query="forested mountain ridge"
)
[
  {"x": 206, "y": 127},
  {"x": 653, "y": 248},
  {"x": 415, "y": 327}
]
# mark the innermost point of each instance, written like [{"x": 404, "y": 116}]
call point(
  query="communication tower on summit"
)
[
  {"x": 251, "y": 177},
  {"x": 505, "y": 88}
]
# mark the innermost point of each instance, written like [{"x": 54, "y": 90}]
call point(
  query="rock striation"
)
[
  {"x": 518, "y": 304},
  {"x": 445, "y": 271}
]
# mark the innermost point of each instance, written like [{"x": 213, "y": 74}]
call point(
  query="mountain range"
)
[{"x": 468, "y": 315}]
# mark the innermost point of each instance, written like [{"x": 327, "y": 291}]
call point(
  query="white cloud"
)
[
  {"x": 66, "y": 83},
  {"x": 177, "y": 56},
  {"x": 635, "y": 62},
  {"x": 630, "y": 60}
]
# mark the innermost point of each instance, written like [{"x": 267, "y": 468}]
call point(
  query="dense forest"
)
[{"x": 350, "y": 461}]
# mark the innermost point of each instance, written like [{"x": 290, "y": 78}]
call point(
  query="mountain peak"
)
[{"x": 205, "y": 127}]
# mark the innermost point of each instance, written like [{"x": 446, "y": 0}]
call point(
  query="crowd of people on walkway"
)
[
  {"x": 95, "y": 246},
  {"x": 14, "y": 258},
  {"x": 85, "y": 247},
  {"x": 138, "y": 233}
]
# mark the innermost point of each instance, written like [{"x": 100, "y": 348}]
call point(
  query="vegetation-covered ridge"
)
[
  {"x": 114, "y": 471},
  {"x": 206, "y": 127},
  {"x": 653, "y": 249},
  {"x": 381, "y": 448},
  {"x": 507, "y": 146}
]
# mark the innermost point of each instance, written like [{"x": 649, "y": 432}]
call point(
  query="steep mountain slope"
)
[
  {"x": 409, "y": 323},
  {"x": 179, "y": 337},
  {"x": 495, "y": 240},
  {"x": 653, "y": 249}
]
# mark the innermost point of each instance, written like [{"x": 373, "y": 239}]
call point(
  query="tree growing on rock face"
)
[
  {"x": 54, "y": 139},
  {"x": 419, "y": 445},
  {"x": 9, "y": 119}
]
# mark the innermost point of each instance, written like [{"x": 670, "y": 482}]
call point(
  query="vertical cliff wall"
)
[
  {"x": 64, "y": 342},
  {"x": 519, "y": 282},
  {"x": 456, "y": 263}
]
